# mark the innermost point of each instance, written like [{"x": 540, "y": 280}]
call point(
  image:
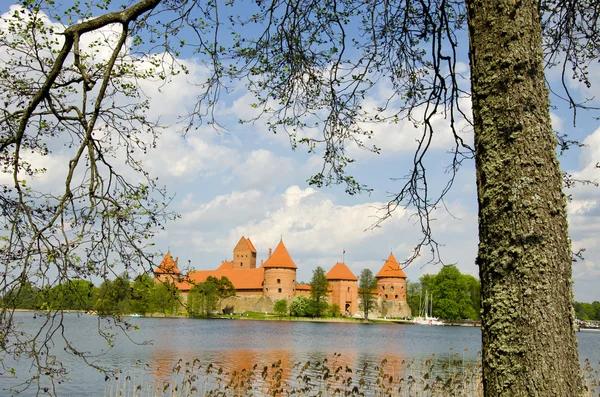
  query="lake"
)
[{"x": 239, "y": 344}]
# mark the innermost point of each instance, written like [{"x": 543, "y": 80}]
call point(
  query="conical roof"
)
[
  {"x": 280, "y": 258},
  {"x": 341, "y": 272},
  {"x": 391, "y": 268},
  {"x": 168, "y": 265}
]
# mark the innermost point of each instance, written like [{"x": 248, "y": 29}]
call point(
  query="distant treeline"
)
[
  {"x": 455, "y": 296},
  {"x": 587, "y": 311},
  {"x": 118, "y": 296}
]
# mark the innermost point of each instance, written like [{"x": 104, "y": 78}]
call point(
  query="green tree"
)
[
  {"x": 413, "y": 296},
  {"x": 366, "y": 284},
  {"x": 334, "y": 310},
  {"x": 225, "y": 289},
  {"x": 141, "y": 295},
  {"x": 165, "y": 298},
  {"x": 281, "y": 307},
  {"x": 114, "y": 297},
  {"x": 74, "y": 295},
  {"x": 300, "y": 306},
  {"x": 451, "y": 295},
  {"x": 319, "y": 288},
  {"x": 204, "y": 297},
  {"x": 23, "y": 296}
]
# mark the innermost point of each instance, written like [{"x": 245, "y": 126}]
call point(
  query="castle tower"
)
[
  {"x": 391, "y": 281},
  {"x": 391, "y": 289},
  {"x": 344, "y": 288},
  {"x": 167, "y": 271},
  {"x": 280, "y": 275},
  {"x": 244, "y": 255}
]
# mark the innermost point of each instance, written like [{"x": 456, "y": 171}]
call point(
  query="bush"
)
[
  {"x": 334, "y": 310},
  {"x": 281, "y": 307},
  {"x": 299, "y": 306}
]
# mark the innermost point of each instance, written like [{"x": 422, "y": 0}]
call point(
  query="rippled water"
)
[{"x": 237, "y": 345}]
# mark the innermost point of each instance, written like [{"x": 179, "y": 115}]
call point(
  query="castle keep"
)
[{"x": 257, "y": 288}]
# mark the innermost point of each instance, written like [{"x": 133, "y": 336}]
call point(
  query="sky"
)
[{"x": 247, "y": 181}]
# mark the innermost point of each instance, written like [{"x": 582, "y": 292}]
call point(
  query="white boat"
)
[
  {"x": 425, "y": 312},
  {"x": 135, "y": 315}
]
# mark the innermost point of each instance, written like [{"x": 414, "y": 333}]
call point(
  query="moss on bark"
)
[{"x": 529, "y": 343}]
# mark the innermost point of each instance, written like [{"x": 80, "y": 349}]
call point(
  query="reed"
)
[{"x": 434, "y": 376}]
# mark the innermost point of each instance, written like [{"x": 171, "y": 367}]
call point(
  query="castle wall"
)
[
  {"x": 249, "y": 303},
  {"x": 389, "y": 309},
  {"x": 302, "y": 292}
]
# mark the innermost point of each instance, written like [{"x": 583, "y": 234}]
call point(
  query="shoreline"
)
[{"x": 268, "y": 317}]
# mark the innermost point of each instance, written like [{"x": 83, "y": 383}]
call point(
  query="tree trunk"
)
[{"x": 524, "y": 258}]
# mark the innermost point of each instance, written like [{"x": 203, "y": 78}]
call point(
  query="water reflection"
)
[{"x": 266, "y": 354}]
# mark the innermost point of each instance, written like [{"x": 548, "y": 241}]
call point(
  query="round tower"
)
[
  {"x": 391, "y": 288},
  {"x": 279, "y": 275},
  {"x": 391, "y": 281}
]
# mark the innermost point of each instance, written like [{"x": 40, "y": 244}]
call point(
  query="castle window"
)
[
  {"x": 383, "y": 287},
  {"x": 396, "y": 297},
  {"x": 348, "y": 289},
  {"x": 279, "y": 290},
  {"x": 278, "y": 281},
  {"x": 241, "y": 264},
  {"x": 392, "y": 288},
  {"x": 385, "y": 296}
]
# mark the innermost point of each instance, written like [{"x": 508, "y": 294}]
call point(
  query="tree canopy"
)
[
  {"x": 366, "y": 284},
  {"x": 319, "y": 289},
  {"x": 455, "y": 296}
]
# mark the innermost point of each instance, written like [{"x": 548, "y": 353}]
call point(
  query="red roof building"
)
[{"x": 257, "y": 288}]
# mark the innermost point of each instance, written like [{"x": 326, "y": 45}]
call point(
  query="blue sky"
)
[{"x": 247, "y": 181}]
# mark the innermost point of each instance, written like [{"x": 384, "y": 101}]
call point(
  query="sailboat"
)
[{"x": 426, "y": 312}]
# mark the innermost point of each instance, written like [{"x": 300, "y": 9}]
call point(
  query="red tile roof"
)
[
  {"x": 391, "y": 268},
  {"x": 341, "y": 272},
  {"x": 242, "y": 279},
  {"x": 168, "y": 265},
  {"x": 303, "y": 287},
  {"x": 245, "y": 242},
  {"x": 251, "y": 245},
  {"x": 280, "y": 258}
]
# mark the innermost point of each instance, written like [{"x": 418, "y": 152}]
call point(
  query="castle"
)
[{"x": 257, "y": 288}]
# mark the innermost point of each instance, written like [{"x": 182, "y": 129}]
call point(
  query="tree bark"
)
[{"x": 524, "y": 258}]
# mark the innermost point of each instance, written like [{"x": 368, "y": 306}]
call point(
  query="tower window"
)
[
  {"x": 385, "y": 296},
  {"x": 279, "y": 290},
  {"x": 348, "y": 289},
  {"x": 383, "y": 287},
  {"x": 396, "y": 297},
  {"x": 279, "y": 282},
  {"x": 241, "y": 264},
  {"x": 392, "y": 288}
]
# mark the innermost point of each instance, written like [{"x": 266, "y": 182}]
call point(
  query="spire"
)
[
  {"x": 341, "y": 272},
  {"x": 280, "y": 258},
  {"x": 391, "y": 268}
]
